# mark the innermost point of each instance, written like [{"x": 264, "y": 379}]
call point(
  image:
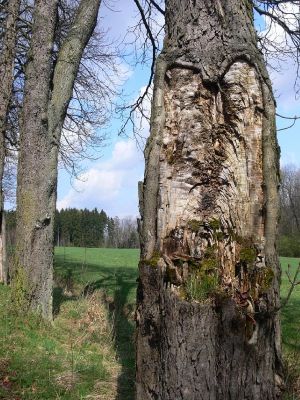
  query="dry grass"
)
[
  {"x": 92, "y": 324},
  {"x": 292, "y": 376},
  {"x": 74, "y": 358}
]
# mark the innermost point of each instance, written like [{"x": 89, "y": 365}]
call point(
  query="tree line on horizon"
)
[
  {"x": 85, "y": 228},
  {"x": 209, "y": 273},
  {"x": 92, "y": 228},
  {"x": 289, "y": 226}
]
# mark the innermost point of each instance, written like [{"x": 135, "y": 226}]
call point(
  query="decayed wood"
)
[{"x": 212, "y": 213}]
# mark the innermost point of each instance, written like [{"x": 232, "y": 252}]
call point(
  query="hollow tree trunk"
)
[
  {"x": 7, "y": 59},
  {"x": 47, "y": 96},
  {"x": 207, "y": 326}
]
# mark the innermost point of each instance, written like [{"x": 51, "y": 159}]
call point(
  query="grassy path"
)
[{"x": 88, "y": 352}]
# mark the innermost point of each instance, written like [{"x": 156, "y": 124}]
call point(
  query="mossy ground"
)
[{"x": 88, "y": 351}]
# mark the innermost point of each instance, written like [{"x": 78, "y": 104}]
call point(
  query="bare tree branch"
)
[
  {"x": 293, "y": 283},
  {"x": 157, "y": 6},
  {"x": 294, "y": 119}
]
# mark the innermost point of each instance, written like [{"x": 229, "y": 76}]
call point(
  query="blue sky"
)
[{"x": 111, "y": 182}]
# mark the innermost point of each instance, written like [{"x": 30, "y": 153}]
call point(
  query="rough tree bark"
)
[
  {"x": 208, "y": 291},
  {"x": 48, "y": 91},
  {"x": 7, "y": 59}
]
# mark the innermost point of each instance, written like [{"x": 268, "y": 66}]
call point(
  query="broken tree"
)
[{"x": 208, "y": 289}]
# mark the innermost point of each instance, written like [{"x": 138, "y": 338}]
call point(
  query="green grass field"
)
[
  {"x": 108, "y": 269},
  {"x": 290, "y": 315},
  {"x": 88, "y": 351},
  {"x": 290, "y": 323}
]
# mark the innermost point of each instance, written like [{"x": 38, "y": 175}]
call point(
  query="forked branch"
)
[
  {"x": 293, "y": 119},
  {"x": 146, "y": 11},
  {"x": 293, "y": 283}
]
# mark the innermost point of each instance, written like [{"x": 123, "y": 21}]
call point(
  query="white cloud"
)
[
  {"x": 110, "y": 185},
  {"x": 125, "y": 155}
]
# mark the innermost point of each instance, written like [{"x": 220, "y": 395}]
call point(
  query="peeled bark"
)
[
  {"x": 207, "y": 326},
  {"x": 7, "y": 59},
  {"x": 47, "y": 96}
]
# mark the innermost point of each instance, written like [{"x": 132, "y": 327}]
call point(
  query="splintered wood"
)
[{"x": 211, "y": 178}]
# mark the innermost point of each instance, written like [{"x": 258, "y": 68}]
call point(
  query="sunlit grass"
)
[
  {"x": 107, "y": 269},
  {"x": 88, "y": 351},
  {"x": 63, "y": 360},
  {"x": 290, "y": 322}
]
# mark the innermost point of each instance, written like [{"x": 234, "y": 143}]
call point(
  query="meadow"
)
[{"x": 88, "y": 350}]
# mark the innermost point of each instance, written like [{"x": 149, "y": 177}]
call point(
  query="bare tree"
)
[
  {"x": 290, "y": 200},
  {"x": 208, "y": 292},
  {"x": 145, "y": 36},
  {"x": 125, "y": 233},
  {"x": 95, "y": 87},
  {"x": 93, "y": 94},
  {"x": 10, "y": 13},
  {"x": 278, "y": 39},
  {"x": 47, "y": 94}
]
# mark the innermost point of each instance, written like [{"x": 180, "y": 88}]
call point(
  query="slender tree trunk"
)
[
  {"x": 7, "y": 59},
  {"x": 46, "y": 99},
  {"x": 4, "y": 269},
  {"x": 207, "y": 326}
]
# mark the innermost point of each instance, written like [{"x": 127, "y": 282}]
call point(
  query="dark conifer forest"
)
[{"x": 84, "y": 228}]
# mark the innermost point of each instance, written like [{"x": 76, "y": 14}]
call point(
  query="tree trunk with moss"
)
[
  {"x": 48, "y": 91},
  {"x": 208, "y": 294},
  {"x": 7, "y": 59}
]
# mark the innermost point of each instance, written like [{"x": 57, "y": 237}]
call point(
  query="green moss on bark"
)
[
  {"x": 153, "y": 261},
  {"x": 248, "y": 255},
  {"x": 200, "y": 288},
  {"x": 194, "y": 225},
  {"x": 20, "y": 290}
]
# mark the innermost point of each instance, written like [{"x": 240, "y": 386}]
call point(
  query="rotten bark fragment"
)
[{"x": 209, "y": 270}]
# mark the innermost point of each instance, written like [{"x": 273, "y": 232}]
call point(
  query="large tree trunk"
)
[
  {"x": 208, "y": 293},
  {"x": 34, "y": 243},
  {"x": 47, "y": 95},
  {"x": 7, "y": 59}
]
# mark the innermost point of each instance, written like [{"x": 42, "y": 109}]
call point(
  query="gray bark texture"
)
[
  {"x": 48, "y": 91},
  {"x": 7, "y": 59},
  {"x": 207, "y": 326}
]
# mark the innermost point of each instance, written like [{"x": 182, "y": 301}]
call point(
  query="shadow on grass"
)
[
  {"x": 291, "y": 324},
  {"x": 59, "y": 298},
  {"x": 119, "y": 286},
  {"x": 124, "y": 338},
  {"x": 121, "y": 313}
]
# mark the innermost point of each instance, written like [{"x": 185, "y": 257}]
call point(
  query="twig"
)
[
  {"x": 137, "y": 104},
  {"x": 285, "y": 117},
  {"x": 294, "y": 119},
  {"x": 293, "y": 282},
  {"x": 157, "y": 7}
]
